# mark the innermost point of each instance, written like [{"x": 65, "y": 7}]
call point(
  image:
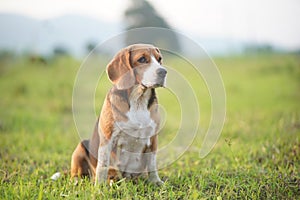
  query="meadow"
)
[{"x": 256, "y": 157}]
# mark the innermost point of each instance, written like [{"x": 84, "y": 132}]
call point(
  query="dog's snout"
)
[{"x": 161, "y": 72}]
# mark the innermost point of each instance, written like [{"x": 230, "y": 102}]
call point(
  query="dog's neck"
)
[{"x": 140, "y": 95}]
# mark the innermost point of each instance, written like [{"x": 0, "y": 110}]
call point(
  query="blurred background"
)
[
  {"x": 46, "y": 28},
  {"x": 254, "y": 44}
]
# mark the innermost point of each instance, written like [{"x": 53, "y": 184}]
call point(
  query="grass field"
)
[{"x": 256, "y": 157}]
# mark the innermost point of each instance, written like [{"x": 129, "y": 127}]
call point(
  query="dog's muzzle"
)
[{"x": 160, "y": 77}]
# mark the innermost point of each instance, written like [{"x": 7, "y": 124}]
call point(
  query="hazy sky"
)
[{"x": 275, "y": 21}]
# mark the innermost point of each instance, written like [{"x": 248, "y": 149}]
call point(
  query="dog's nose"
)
[{"x": 161, "y": 72}]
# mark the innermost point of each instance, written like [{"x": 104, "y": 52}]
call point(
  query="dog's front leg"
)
[
  {"x": 150, "y": 156},
  {"x": 103, "y": 163},
  {"x": 152, "y": 169}
]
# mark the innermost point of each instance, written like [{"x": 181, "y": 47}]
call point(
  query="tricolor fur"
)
[{"x": 124, "y": 142}]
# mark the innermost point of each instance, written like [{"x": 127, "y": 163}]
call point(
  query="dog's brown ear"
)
[{"x": 119, "y": 70}]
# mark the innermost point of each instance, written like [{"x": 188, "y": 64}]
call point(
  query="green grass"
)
[{"x": 256, "y": 157}]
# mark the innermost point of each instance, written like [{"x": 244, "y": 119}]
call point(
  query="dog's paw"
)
[
  {"x": 159, "y": 183},
  {"x": 156, "y": 181},
  {"x": 101, "y": 175}
]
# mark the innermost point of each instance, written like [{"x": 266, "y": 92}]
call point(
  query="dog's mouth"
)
[
  {"x": 156, "y": 85},
  {"x": 159, "y": 82}
]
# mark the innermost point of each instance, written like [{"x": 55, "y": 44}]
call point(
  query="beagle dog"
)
[{"x": 125, "y": 134}]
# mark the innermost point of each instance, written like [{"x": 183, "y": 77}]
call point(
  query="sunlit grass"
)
[{"x": 256, "y": 157}]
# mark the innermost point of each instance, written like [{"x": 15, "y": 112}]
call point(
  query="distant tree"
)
[
  {"x": 297, "y": 51},
  {"x": 6, "y": 55},
  {"x": 60, "y": 51},
  {"x": 35, "y": 58},
  {"x": 142, "y": 14},
  {"x": 90, "y": 46},
  {"x": 258, "y": 48}
]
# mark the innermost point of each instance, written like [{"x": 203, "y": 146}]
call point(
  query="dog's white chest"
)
[
  {"x": 132, "y": 139},
  {"x": 139, "y": 124}
]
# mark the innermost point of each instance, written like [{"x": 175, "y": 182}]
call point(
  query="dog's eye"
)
[
  {"x": 159, "y": 59},
  {"x": 142, "y": 59}
]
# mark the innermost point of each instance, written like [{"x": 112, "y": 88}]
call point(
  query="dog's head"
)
[{"x": 137, "y": 64}]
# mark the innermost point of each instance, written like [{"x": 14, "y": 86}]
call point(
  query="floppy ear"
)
[{"x": 119, "y": 70}]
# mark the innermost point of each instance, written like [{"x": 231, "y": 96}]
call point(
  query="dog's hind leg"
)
[{"x": 80, "y": 160}]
